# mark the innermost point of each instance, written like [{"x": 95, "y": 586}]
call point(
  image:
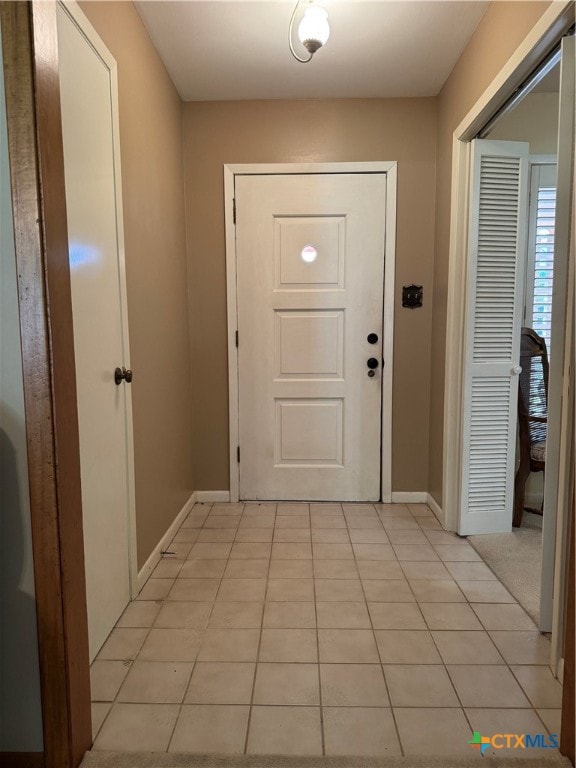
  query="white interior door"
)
[
  {"x": 310, "y": 275},
  {"x": 100, "y": 333},
  {"x": 494, "y": 305}
]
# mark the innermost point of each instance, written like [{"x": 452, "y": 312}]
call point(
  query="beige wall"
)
[
  {"x": 155, "y": 239},
  {"x": 534, "y": 120},
  {"x": 415, "y": 132},
  {"x": 500, "y": 32},
  {"x": 309, "y": 131}
]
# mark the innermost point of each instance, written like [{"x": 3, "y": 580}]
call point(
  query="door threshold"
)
[{"x": 94, "y": 759}]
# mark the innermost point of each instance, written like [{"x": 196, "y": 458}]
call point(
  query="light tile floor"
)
[{"x": 337, "y": 629}]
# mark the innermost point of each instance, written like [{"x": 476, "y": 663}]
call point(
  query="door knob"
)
[
  {"x": 372, "y": 363},
  {"x": 372, "y": 338},
  {"x": 121, "y": 374},
  {"x": 516, "y": 370}
]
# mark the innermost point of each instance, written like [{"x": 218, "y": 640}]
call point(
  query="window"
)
[{"x": 540, "y": 267}]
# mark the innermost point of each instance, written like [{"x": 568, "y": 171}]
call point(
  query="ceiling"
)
[{"x": 232, "y": 49}]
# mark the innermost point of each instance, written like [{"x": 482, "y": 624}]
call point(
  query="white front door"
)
[
  {"x": 100, "y": 335},
  {"x": 310, "y": 279}
]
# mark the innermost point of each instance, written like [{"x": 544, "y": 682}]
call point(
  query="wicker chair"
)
[{"x": 532, "y": 414}]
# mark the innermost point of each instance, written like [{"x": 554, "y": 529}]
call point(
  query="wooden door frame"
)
[
  {"x": 30, "y": 53},
  {"x": 543, "y": 37},
  {"x": 554, "y": 23},
  {"x": 390, "y": 169}
]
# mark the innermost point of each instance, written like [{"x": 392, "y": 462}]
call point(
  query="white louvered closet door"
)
[{"x": 494, "y": 303}]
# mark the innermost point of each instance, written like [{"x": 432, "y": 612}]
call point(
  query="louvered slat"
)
[
  {"x": 496, "y": 260},
  {"x": 497, "y": 210},
  {"x": 488, "y": 448}
]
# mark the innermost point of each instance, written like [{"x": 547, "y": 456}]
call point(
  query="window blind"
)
[{"x": 544, "y": 263}]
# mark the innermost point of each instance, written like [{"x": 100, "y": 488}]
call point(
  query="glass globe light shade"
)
[{"x": 314, "y": 29}]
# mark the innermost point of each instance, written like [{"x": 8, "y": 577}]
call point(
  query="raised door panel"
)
[{"x": 309, "y": 344}]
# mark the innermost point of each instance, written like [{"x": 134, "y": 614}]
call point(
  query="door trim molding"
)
[
  {"x": 555, "y": 20},
  {"x": 30, "y": 52},
  {"x": 391, "y": 171}
]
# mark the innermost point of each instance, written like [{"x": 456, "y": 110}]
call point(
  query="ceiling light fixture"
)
[{"x": 313, "y": 30}]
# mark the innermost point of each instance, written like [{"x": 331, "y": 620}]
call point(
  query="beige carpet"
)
[
  {"x": 155, "y": 760},
  {"x": 516, "y": 558}
]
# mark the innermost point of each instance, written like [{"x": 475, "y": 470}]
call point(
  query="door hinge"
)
[
  {"x": 238, "y": 454},
  {"x": 236, "y": 338},
  {"x": 234, "y": 210}
]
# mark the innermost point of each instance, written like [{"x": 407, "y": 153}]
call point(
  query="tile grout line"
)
[
  {"x": 448, "y": 675},
  {"x": 195, "y": 662},
  {"x": 402, "y": 752},
  {"x": 470, "y": 604},
  {"x": 130, "y": 666},
  {"x": 445, "y": 665},
  {"x": 320, "y": 699},
  {"x": 251, "y": 705},
  {"x": 95, "y": 735},
  {"x": 130, "y": 662},
  {"x": 417, "y": 602},
  {"x": 177, "y": 719}
]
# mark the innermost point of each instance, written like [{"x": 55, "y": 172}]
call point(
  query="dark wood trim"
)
[
  {"x": 64, "y": 401},
  {"x": 22, "y": 759},
  {"x": 567, "y": 736},
  {"x": 30, "y": 52}
]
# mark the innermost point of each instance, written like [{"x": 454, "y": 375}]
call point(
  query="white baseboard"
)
[
  {"x": 433, "y": 504},
  {"x": 409, "y": 497},
  {"x": 213, "y": 497},
  {"x": 155, "y": 556}
]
